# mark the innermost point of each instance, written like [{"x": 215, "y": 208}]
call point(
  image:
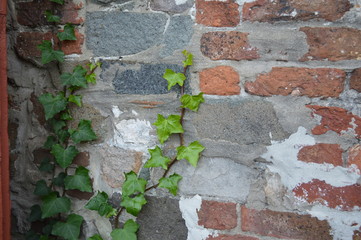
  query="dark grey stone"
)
[
  {"x": 123, "y": 33},
  {"x": 170, "y": 6},
  {"x": 161, "y": 219}
]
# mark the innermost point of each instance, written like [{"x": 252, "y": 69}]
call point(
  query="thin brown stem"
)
[{"x": 116, "y": 219}]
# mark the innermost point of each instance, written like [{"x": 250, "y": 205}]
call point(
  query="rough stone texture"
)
[
  {"x": 38, "y": 109},
  {"x": 321, "y": 153},
  {"x": 217, "y": 14},
  {"x": 355, "y": 80},
  {"x": 354, "y": 156},
  {"x": 217, "y": 215},
  {"x": 318, "y": 82},
  {"x": 170, "y": 6},
  {"x": 281, "y": 10},
  {"x": 138, "y": 32},
  {"x": 333, "y": 44},
  {"x": 284, "y": 225},
  {"x": 317, "y": 191},
  {"x": 231, "y": 45},
  {"x": 161, "y": 218},
  {"x": 221, "y": 80},
  {"x": 232, "y": 237}
]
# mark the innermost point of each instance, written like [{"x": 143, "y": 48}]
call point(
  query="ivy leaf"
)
[
  {"x": 192, "y": 102},
  {"x": 75, "y": 99},
  {"x": 70, "y": 229},
  {"x": 170, "y": 183},
  {"x": 91, "y": 78},
  {"x": 57, "y": 125},
  {"x": 168, "y": 126},
  {"x": 35, "y": 213},
  {"x": 58, "y": 1},
  {"x": 31, "y": 235},
  {"x": 84, "y": 132},
  {"x": 41, "y": 188},
  {"x": 133, "y": 205},
  {"x": 133, "y": 184},
  {"x": 46, "y": 165},
  {"x": 52, "y": 205},
  {"x": 68, "y": 33},
  {"x": 173, "y": 78},
  {"x": 190, "y": 153},
  {"x": 77, "y": 78},
  {"x": 157, "y": 159},
  {"x": 100, "y": 203},
  {"x": 189, "y": 58},
  {"x": 59, "y": 180},
  {"x": 49, "y": 227},
  {"x": 128, "y": 232},
  {"x": 80, "y": 180},
  {"x": 50, "y": 141},
  {"x": 66, "y": 116},
  {"x": 53, "y": 104},
  {"x": 95, "y": 237},
  {"x": 48, "y": 54},
  {"x": 50, "y": 17},
  {"x": 64, "y": 156}
]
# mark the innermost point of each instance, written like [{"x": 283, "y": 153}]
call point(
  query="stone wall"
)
[{"x": 281, "y": 123}]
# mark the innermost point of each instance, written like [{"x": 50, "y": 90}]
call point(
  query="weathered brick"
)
[
  {"x": 333, "y": 44},
  {"x": 318, "y": 82},
  {"x": 82, "y": 159},
  {"x": 230, "y": 45},
  {"x": 317, "y": 191},
  {"x": 218, "y": 215},
  {"x": 79, "y": 194},
  {"x": 354, "y": 156},
  {"x": 355, "y": 80},
  {"x": 284, "y": 225},
  {"x": 221, "y": 80},
  {"x": 232, "y": 237},
  {"x": 286, "y": 10},
  {"x": 38, "y": 109},
  {"x": 217, "y": 13},
  {"x": 321, "y": 153}
]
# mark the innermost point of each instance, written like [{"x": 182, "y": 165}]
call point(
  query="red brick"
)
[
  {"x": 231, "y": 45},
  {"x": 82, "y": 159},
  {"x": 232, "y": 237},
  {"x": 317, "y": 191},
  {"x": 354, "y": 156},
  {"x": 355, "y": 81},
  {"x": 286, "y": 10},
  {"x": 218, "y": 215},
  {"x": 221, "y": 80},
  {"x": 333, "y": 44},
  {"x": 335, "y": 119},
  {"x": 284, "y": 225},
  {"x": 79, "y": 194},
  {"x": 318, "y": 82},
  {"x": 217, "y": 13},
  {"x": 321, "y": 153}
]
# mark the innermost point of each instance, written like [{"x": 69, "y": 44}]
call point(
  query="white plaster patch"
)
[
  {"x": 180, "y": 2},
  {"x": 189, "y": 208},
  {"x": 116, "y": 111}
]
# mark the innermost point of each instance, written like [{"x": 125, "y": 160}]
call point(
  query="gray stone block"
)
[{"x": 171, "y": 6}]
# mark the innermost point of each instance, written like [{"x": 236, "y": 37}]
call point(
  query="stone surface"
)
[
  {"x": 316, "y": 191},
  {"x": 284, "y": 225},
  {"x": 318, "y": 82},
  {"x": 161, "y": 218},
  {"x": 171, "y": 6},
  {"x": 354, "y": 156},
  {"x": 230, "y": 45},
  {"x": 355, "y": 80},
  {"x": 38, "y": 109},
  {"x": 218, "y": 215},
  {"x": 333, "y": 44},
  {"x": 217, "y": 13},
  {"x": 82, "y": 159},
  {"x": 123, "y": 33},
  {"x": 221, "y": 80},
  {"x": 79, "y": 194},
  {"x": 232, "y": 237},
  {"x": 281, "y": 10},
  {"x": 321, "y": 153}
]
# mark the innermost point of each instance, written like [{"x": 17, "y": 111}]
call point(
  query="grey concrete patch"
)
[{"x": 170, "y": 6}]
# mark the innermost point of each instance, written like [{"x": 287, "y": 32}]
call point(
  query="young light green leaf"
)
[
  {"x": 173, "y": 78},
  {"x": 128, "y": 232},
  {"x": 76, "y": 78},
  {"x": 53, "y": 104},
  {"x": 133, "y": 205},
  {"x": 192, "y": 102},
  {"x": 52, "y": 205},
  {"x": 70, "y": 229},
  {"x": 190, "y": 153},
  {"x": 46, "y": 165},
  {"x": 59, "y": 180},
  {"x": 48, "y": 54},
  {"x": 77, "y": 99},
  {"x": 58, "y": 1},
  {"x": 84, "y": 132},
  {"x": 35, "y": 213},
  {"x": 91, "y": 78},
  {"x": 80, "y": 180},
  {"x": 68, "y": 33},
  {"x": 95, "y": 237},
  {"x": 50, "y": 17},
  {"x": 100, "y": 203},
  {"x": 64, "y": 156},
  {"x": 157, "y": 159},
  {"x": 189, "y": 58},
  {"x": 41, "y": 188},
  {"x": 133, "y": 184},
  {"x": 170, "y": 183},
  {"x": 168, "y": 126}
]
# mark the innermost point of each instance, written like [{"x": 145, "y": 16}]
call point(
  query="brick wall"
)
[{"x": 281, "y": 123}]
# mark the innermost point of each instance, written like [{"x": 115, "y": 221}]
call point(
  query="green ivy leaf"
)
[
  {"x": 68, "y": 33},
  {"x": 95, "y": 237},
  {"x": 77, "y": 99},
  {"x": 84, "y": 132},
  {"x": 100, "y": 203},
  {"x": 48, "y": 54},
  {"x": 192, "y": 102},
  {"x": 57, "y": 125},
  {"x": 190, "y": 153},
  {"x": 66, "y": 116},
  {"x": 133, "y": 205},
  {"x": 189, "y": 58},
  {"x": 31, "y": 235},
  {"x": 91, "y": 78},
  {"x": 50, "y": 141},
  {"x": 58, "y": 1},
  {"x": 70, "y": 229},
  {"x": 80, "y": 180},
  {"x": 35, "y": 213},
  {"x": 50, "y": 17},
  {"x": 41, "y": 188},
  {"x": 170, "y": 183},
  {"x": 173, "y": 78},
  {"x": 133, "y": 184},
  {"x": 128, "y": 232},
  {"x": 64, "y": 156},
  {"x": 46, "y": 165},
  {"x": 52, "y": 205},
  {"x": 76, "y": 78},
  {"x": 53, "y": 104},
  {"x": 168, "y": 126},
  {"x": 157, "y": 159},
  {"x": 59, "y": 180},
  {"x": 49, "y": 227}
]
